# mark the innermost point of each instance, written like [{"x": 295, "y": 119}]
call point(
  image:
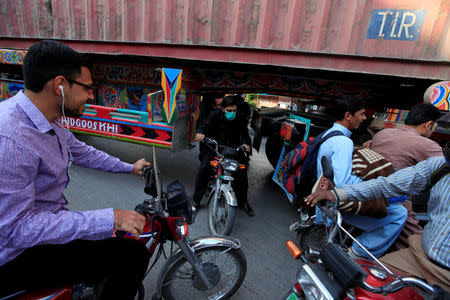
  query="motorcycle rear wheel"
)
[
  {"x": 221, "y": 222},
  {"x": 225, "y": 268}
]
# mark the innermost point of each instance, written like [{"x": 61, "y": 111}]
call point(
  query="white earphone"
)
[{"x": 67, "y": 126}]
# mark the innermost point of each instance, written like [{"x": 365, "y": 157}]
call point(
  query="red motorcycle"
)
[
  {"x": 211, "y": 267},
  {"x": 333, "y": 274}
]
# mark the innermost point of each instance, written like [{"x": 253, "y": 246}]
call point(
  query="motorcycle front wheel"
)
[
  {"x": 224, "y": 267},
  {"x": 220, "y": 222}
]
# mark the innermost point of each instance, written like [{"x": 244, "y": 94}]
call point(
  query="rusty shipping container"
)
[{"x": 408, "y": 38}]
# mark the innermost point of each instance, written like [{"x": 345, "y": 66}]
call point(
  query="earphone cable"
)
[{"x": 65, "y": 120}]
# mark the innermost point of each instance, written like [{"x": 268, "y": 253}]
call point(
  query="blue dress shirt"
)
[{"x": 340, "y": 150}]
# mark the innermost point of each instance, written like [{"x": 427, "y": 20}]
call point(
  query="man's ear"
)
[
  {"x": 347, "y": 115},
  {"x": 429, "y": 125},
  {"x": 57, "y": 81}
]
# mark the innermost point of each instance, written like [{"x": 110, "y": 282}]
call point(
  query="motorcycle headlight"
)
[
  {"x": 316, "y": 283},
  {"x": 230, "y": 165}
]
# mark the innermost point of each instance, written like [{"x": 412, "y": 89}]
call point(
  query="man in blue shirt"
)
[{"x": 378, "y": 233}]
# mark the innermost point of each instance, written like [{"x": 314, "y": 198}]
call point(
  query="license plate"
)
[{"x": 292, "y": 296}]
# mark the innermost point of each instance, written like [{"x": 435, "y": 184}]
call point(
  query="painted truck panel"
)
[{"x": 129, "y": 106}]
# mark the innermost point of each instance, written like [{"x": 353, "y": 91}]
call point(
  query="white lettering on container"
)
[{"x": 91, "y": 125}]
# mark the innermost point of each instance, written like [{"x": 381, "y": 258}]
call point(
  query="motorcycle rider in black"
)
[{"x": 229, "y": 129}]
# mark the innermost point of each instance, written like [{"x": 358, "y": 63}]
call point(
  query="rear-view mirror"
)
[{"x": 327, "y": 168}]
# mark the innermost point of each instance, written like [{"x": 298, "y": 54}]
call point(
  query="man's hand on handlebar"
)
[
  {"x": 199, "y": 137},
  {"x": 319, "y": 196},
  {"x": 247, "y": 147},
  {"x": 139, "y": 165},
  {"x": 129, "y": 221}
]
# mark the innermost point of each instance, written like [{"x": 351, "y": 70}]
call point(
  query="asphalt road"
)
[{"x": 271, "y": 271}]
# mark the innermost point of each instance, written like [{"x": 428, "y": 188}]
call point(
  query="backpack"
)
[
  {"x": 420, "y": 200},
  {"x": 438, "y": 175},
  {"x": 299, "y": 172}
]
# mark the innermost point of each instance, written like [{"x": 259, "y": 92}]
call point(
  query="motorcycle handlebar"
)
[
  {"x": 145, "y": 170},
  {"x": 328, "y": 208},
  {"x": 208, "y": 140},
  {"x": 120, "y": 233},
  {"x": 398, "y": 284},
  {"x": 147, "y": 174}
]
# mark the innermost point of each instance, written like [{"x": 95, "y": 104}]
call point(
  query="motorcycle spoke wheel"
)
[
  {"x": 221, "y": 221},
  {"x": 224, "y": 267}
]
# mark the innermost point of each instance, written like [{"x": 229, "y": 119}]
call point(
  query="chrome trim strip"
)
[{"x": 318, "y": 283}]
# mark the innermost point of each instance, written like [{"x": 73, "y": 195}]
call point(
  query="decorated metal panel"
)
[
  {"x": 132, "y": 74},
  {"x": 171, "y": 84},
  {"x": 440, "y": 95},
  {"x": 403, "y": 29},
  {"x": 217, "y": 80},
  {"x": 155, "y": 103},
  {"x": 9, "y": 88},
  {"x": 116, "y": 123},
  {"x": 120, "y": 124},
  {"x": 125, "y": 111},
  {"x": 121, "y": 96},
  {"x": 12, "y": 57}
]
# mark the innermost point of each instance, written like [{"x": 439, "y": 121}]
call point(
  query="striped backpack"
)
[{"x": 299, "y": 172}]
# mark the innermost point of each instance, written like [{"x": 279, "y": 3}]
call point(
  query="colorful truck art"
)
[
  {"x": 171, "y": 84},
  {"x": 134, "y": 74},
  {"x": 9, "y": 88},
  {"x": 279, "y": 84},
  {"x": 123, "y": 107},
  {"x": 440, "y": 95},
  {"x": 120, "y": 96},
  {"x": 117, "y": 124},
  {"x": 12, "y": 57}
]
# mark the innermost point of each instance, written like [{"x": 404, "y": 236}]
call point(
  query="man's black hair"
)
[
  {"x": 46, "y": 60},
  {"x": 229, "y": 101},
  {"x": 218, "y": 95},
  {"x": 421, "y": 113},
  {"x": 347, "y": 104}
]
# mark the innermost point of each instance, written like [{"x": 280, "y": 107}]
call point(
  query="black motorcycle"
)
[{"x": 222, "y": 199}]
